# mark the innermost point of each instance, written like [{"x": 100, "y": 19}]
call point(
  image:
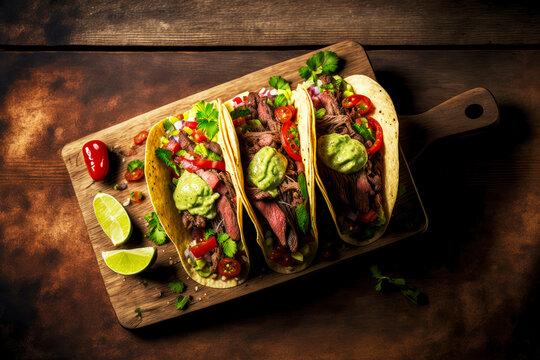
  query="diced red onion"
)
[
  {"x": 179, "y": 125},
  {"x": 174, "y": 139},
  {"x": 189, "y": 255}
]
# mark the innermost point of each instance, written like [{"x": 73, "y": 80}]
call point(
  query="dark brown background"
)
[{"x": 70, "y": 68}]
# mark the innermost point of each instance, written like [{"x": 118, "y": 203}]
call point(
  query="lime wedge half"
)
[
  {"x": 130, "y": 262},
  {"x": 113, "y": 218}
]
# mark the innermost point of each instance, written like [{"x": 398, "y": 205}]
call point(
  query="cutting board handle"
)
[{"x": 467, "y": 112}]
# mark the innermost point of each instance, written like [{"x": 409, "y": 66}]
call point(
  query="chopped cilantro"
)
[
  {"x": 279, "y": 83},
  {"x": 209, "y": 233},
  {"x": 386, "y": 283},
  {"x": 181, "y": 302},
  {"x": 229, "y": 247},
  {"x": 135, "y": 164},
  {"x": 177, "y": 286},
  {"x": 207, "y": 117},
  {"x": 325, "y": 62},
  {"x": 116, "y": 187},
  {"x": 138, "y": 312},
  {"x": 222, "y": 237},
  {"x": 156, "y": 233}
]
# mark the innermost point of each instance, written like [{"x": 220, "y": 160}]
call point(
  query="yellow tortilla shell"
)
[
  {"x": 386, "y": 115},
  {"x": 158, "y": 179},
  {"x": 306, "y": 144}
]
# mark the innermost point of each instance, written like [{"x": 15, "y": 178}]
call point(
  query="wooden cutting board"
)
[{"x": 149, "y": 291}]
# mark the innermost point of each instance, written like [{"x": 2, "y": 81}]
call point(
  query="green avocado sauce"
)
[
  {"x": 194, "y": 195},
  {"x": 267, "y": 169},
  {"x": 341, "y": 153}
]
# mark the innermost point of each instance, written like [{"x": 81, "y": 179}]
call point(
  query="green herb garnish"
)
[
  {"x": 277, "y": 82},
  {"x": 177, "y": 286},
  {"x": 209, "y": 233},
  {"x": 228, "y": 244},
  {"x": 132, "y": 165},
  {"x": 386, "y": 283},
  {"x": 165, "y": 156},
  {"x": 240, "y": 112},
  {"x": 156, "y": 233},
  {"x": 138, "y": 312},
  {"x": 325, "y": 62},
  {"x": 181, "y": 302},
  {"x": 280, "y": 100},
  {"x": 207, "y": 117}
]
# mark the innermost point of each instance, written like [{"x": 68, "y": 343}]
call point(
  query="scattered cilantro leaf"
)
[
  {"x": 165, "y": 156},
  {"x": 116, "y": 187},
  {"x": 222, "y": 237},
  {"x": 156, "y": 233},
  {"x": 181, "y": 302},
  {"x": 386, "y": 283},
  {"x": 207, "y": 117},
  {"x": 280, "y": 100},
  {"x": 132, "y": 165},
  {"x": 325, "y": 62},
  {"x": 279, "y": 83},
  {"x": 209, "y": 233},
  {"x": 138, "y": 312},
  {"x": 177, "y": 286},
  {"x": 229, "y": 248}
]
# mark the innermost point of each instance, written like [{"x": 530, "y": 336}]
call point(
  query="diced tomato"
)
[
  {"x": 137, "y": 196},
  {"x": 209, "y": 164},
  {"x": 199, "y": 136},
  {"x": 283, "y": 114},
  {"x": 173, "y": 147},
  {"x": 237, "y": 100},
  {"x": 229, "y": 267},
  {"x": 134, "y": 175},
  {"x": 140, "y": 137},
  {"x": 240, "y": 121},
  {"x": 192, "y": 124},
  {"x": 282, "y": 257},
  {"x": 293, "y": 110},
  {"x": 289, "y": 136},
  {"x": 203, "y": 247},
  {"x": 362, "y": 103},
  {"x": 367, "y": 217}
]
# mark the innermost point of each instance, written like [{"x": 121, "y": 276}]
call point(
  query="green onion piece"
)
[
  {"x": 303, "y": 218},
  {"x": 363, "y": 131},
  {"x": 303, "y": 185}
]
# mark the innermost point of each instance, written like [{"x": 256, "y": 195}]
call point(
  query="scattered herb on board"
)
[
  {"x": 138, "y": 312},
  {"x": 177, "y": 286},
  {"x": 156, "y": 233},
  {"x": 182, "y": 301},
  {"x": 386, "y": 283},
  {"x": 132, "y": 165}
]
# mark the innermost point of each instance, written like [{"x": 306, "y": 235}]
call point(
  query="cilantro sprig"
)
[
  {"x": 385, "y": 283},
  {"x": 323, "y": 62},
  {"x": 138, "y": 312},
  {"x": 182, "y": 301},
  {"x": 177, "y": 286},
  {"x": 132, "y": 165},
  {"x": 279, "y": 83},
  {"x": 207, "y": 117},
  {"x": 156, "y": 233}
]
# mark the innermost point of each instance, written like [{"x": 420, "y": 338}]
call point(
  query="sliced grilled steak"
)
[
  {"x": 254, "y": 193},
  {"x": 187, "y": 219},
  {"x": 200, "y": 222},
  {"x": 225, "y": 208},
  {"x": 361, "y": 196},
  {"x": 216, "y": 257},
  {"x": 209, "y": 176},
  {"x": 331, "y": 104},
  {"x": 184, "y": 142},
  {"x": 266, "y": 115},
  {"x": 275, "y": 217},
  {"x": 252, "y": 104},
  {"x": 213, "y": 146}
]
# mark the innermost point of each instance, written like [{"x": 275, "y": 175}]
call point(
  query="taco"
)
[
  {"x": 357, "y": 166},
  {"x": 275, "y": 172},
  {"x": 194, "y": 196}
]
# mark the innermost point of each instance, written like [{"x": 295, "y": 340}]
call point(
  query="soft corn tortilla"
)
[
  {"x": 158, "y": 179},
  {"x": 306, "y": 143},
  {"x": 386, "y": 115}
]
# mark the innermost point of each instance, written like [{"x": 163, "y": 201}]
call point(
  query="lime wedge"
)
[
  {"x": 113, "y": 218},
  {"x": 130, "y": 262}
]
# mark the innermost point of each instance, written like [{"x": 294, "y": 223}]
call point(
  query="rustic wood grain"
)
[
  {"x": 259, "y": 23},
  {"x": 127, "y": 293},
  {"x": 478, "y": 261}
]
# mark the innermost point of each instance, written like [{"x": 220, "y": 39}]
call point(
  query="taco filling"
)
[
  {"x": 203, "y": 192},
  {"x": 349, "y": 159},
  {"x": 275, "y": 182}
]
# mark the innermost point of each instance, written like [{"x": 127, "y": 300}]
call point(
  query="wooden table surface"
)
[{"x": 69, "y": 69}]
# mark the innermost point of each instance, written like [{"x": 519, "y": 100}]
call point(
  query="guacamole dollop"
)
[
  {"x": 194, "y": 195},
  {"x": 342, "y": 153},
  {"x": 267, "y": 169}
]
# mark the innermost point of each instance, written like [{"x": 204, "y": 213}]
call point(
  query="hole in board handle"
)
[{"x": 474, "y": 111}]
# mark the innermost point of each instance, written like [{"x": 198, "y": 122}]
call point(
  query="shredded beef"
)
[
  {"x": 325, "y": 79},
  {"x": 331, "y": 104},
  {"x": 254, "y": 193},
  {"x": 187, "y": 219},
  {"x": 252, "y": 104},
  {"x": 266, "y": 115},
  {"x": 200, "y": 222}
]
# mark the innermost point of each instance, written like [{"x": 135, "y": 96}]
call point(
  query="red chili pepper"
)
[
  {"x": 173, "y": 147},
  {"x": 192, "y": 124},
  {"x": 289, "y": 133},
  {"x": 203, "y": 247},
  {"x": 96, "y": 157},
  {"x": 374, "y": 124}
]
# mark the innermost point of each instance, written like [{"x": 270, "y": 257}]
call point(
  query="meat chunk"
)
[
  {"x": 361, "y": 195},
  {"x": 209, "y": 177},
  {"x": 266, "y": 115},
  {"x": 325, "y": 79},
  {"x": 252, "y": 104},
  {"x": 188, "y": 220},
  {"x": 275, "y": 217},
  {"x": 331, "y": 104},
  {"x": 216, "y": 257},
  {"x": 213, "y": 146},
  {"x": 254, "y": 193},
  {"x": 224, "y": 207},
  {"x": 200, "y": 222},
  {"x": 184, "y": 142}
]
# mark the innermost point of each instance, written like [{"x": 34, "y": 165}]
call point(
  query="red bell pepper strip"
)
[
  {"x": 374, "y": 124},
  {"x": 203, "y": 247},
  {"x": 193, "y": 165}
]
